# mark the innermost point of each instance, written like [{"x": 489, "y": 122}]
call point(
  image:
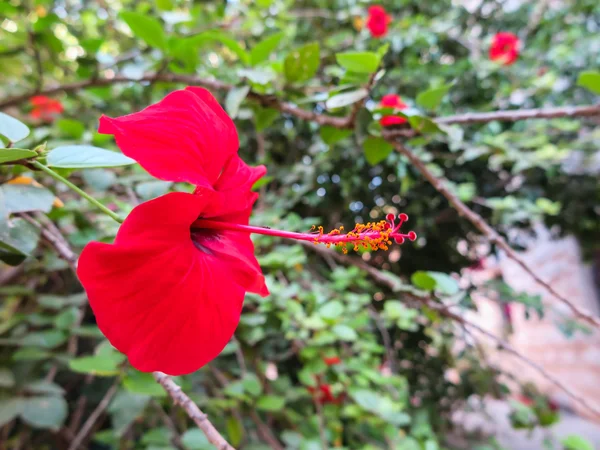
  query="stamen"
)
[{"x": 370, "y": 236}]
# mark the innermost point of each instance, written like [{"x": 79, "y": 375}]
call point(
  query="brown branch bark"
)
[
  {"x": 200, "y": 419},
  {"x": 441, "y": 186}
]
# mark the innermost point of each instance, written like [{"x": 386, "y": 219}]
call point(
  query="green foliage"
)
[{"x": 391, "y": 387}]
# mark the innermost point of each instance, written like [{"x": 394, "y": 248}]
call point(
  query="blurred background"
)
[{"x": 361, "y": 351}]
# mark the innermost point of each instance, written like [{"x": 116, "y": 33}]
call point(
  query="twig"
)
[
  {"x": 321, "y": 424},
  {"x": 200, "y": 419},
  {"x": 176, "y": 440},
  {"x": 385, "y": 335},
  {"x": 506, "y": 116},
  {"x": 265, "y": 432},
  {"x": 89, "y": 423},
  {"x": 240, "y": 356},
  {"x": 440, "y": 185}
]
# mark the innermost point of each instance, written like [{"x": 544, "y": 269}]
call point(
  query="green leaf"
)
[
  {"x": 261, "y": 182},
  {"x": 18, "y": 239},
  {"x": 146, "y": 27},
  {"x": 125, "y": 408},
  {"x": 346, "y": 98},
  {"x": 14, "y": 154},
  {"x": 143, "y": 383},
  {"x": 590, "y": 80},
  {"x": 444, "y": 283},
  {"x": 270, "y": 403},
  {"x": 360, "y": 62},
  {"x": 70, "y": 127},
  {"x": 194, "y": 439},
  {"x": 423, "y": 280},
  {"x": 192, "y": 43},
  {"x": 86, "y": 156},
  {"x": 264, "y": 117},
  {"x": 575, "y": 442},
  {"x": 332, "y": 135},
  {"x": 20, "y": 198},
  {"x": 261, "y": 51},
  {"x": 252, "y": 384},
  {"x": 12, "y": 129},
  {"x": 44, "y": 339},
  {"x": 10, "y": 409},
  {"x": 31, "y": 354},
  {"x": 100, "y": 365},
  {"x": 431, "y": 98},
  {"x": 44, "y": 387},
  {"x": 45, "y": 412},
  {"x": 331, "y": 310},
  {"x": 302, "y": 64},
  {"x": 66, "y": 319},
  {"x": 234, "y": 99},
  {"x": 376, "y": 150},
  {"x": 164, "y": 5},
  {"x": 235, "y": 431},
  {"x": 344, "y": 332}
]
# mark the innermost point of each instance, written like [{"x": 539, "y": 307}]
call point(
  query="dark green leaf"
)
[
  {"x": 70, "y": 127},
  {"x": 125, "y": 408},
  {"x": 99, "y": 365},
  {"x": 194, "y": 439},
  {"x": 14, "y": 154},
  {"x": 10, "y": 408},
  {"x": 18, "y": 239},
  {"x": 302, "y": 64},
  {"x": 261, "y": 51},
  {"x": 360, "y": 62},
  {"x": 235, "y": 431},
  {"x": 376, "y": 150},
  {"x": 332, "y": 135},
  {"x": 423, "y": 280},
  {"x": 45, "y": 412},
  {"x": 143, "y": 383},
  {"x": 270, "y": 403},
  {"x": 146, "y": 27},
  {"x": 431, "y": 98}
]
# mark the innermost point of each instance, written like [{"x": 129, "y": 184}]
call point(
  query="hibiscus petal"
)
[
  {"x": 185, "y": 137},
  {"x": 234, "y": 188},
  {"x": 157, "y": 297}
]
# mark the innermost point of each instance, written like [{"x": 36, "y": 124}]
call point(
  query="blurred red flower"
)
[
  {"x": 323, "y": 394},
  {"x": 332, "y": 361},
  {"x": 165, "y": 293},
  {"x": 378, "y": 21},
  {"x": 505, "y": 48},
  {"x": 45, "y": 108},
  {"x": 392, "y": 101}
]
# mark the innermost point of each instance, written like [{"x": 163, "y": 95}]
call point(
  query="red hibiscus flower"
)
[
  {"x": 505, "y": 48},
  {"x": 45, "y": 108},
  {"x": 392, "y": 101},
  {"x": 169, "y": 291},
  {"x": 323, "y": 394},
  {"x": 332, "y": 361},
  {"x": 166, "y": 294},
  {"x": 378, "y": 21}
]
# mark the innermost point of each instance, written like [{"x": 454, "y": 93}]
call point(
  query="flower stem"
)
[{"x": 85, "y": 195}]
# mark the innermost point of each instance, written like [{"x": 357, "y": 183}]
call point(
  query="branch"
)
[
  {"x": 89, "y": 423},
  {"x": 200, "y": 419},
  {"x": 440, "y": 185},
  {"x": 506, "y": 116},
  {"x": 265, "y": 100}
]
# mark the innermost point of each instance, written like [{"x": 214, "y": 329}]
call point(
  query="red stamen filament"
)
[{"x": 373, "y": 235}]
